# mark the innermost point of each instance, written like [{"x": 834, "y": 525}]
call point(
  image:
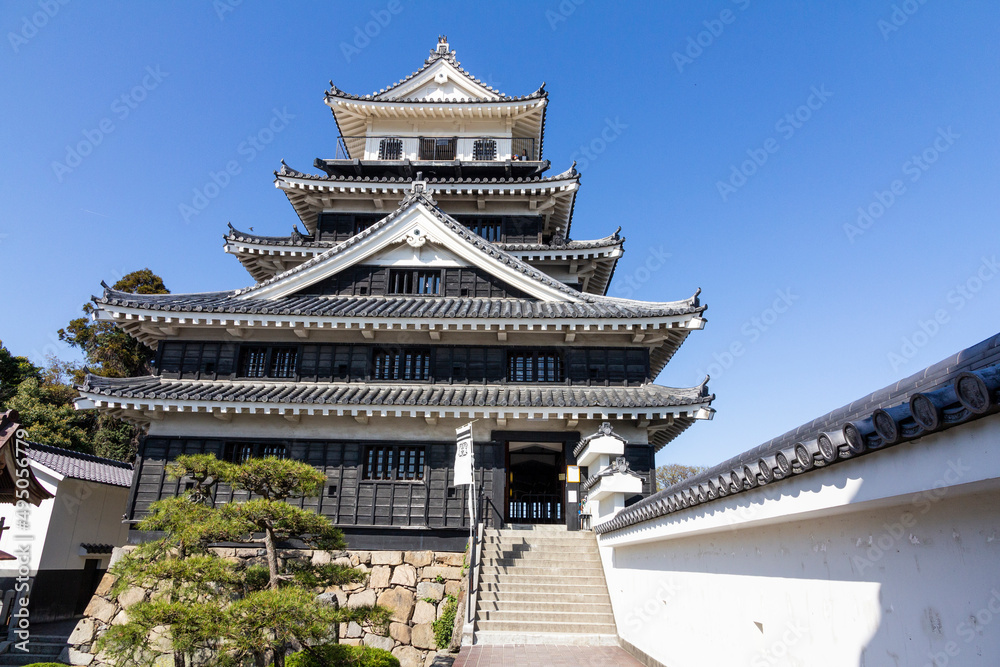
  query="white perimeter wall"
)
[{"x": 890, "y": 559}]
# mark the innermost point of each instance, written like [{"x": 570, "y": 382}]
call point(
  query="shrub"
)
[
  {"x": 342, "y": 655},
  {"x": 47, "y": 664},
  {"x": 444, "y": 625}
]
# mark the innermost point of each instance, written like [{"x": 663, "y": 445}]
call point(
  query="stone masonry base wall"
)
[{"x": 412, "y": 584}]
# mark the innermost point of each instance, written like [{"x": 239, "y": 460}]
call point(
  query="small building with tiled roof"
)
[
  {"x": 65, "y": 543},
  {"x": 435, "y": 283}
]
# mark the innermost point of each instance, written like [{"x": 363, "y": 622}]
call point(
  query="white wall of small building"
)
[
  {"x": 81, "y": 512},
  {"x": 84, "y": 512},
  {"x": 888, "y": 559}
]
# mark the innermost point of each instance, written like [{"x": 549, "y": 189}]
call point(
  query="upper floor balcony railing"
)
[{"x": 443, "y": 149}]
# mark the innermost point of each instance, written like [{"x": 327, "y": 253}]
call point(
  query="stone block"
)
[
  {"x": 101, "y": 609},
  {"x": 384, "y": 643},
  {"x": 159, "y": 639},
  {"x": 400, "y": 632},
  {"x": 71, "y": 656},
  {"x": 432, "y": 573},
  {"x": 361, "y": 557},
  {"x": 224, "y": 552},
  {"x": 83, "y": 633},
  {"x": 320, "y": 557},
  {"x": 424, "y": 612},
  {"x": 351, "y": 629},
  {"x": 404, "y": 575},
  {"x": 121, "y": 618},
  {"x": 130, "y": 596},
  {"x": 419, "y": 558},
  {"x": 246, "y": 552},
  {"x": 352, "y": 641},
  {"x": 400, "y": 601},
  {"x": 343, "y": 561},
  {"x": 103, "y": 588},
  {"x": 454, "y": 588},
  {"x": 365, "y": 598},
  {"x": 452, "y": 559},
  {"x": 422, "y": 636},
  {"x": 379, "y": 577},
  {"x": 333, "y": 594},
  {"x": 430, "y": 589},
  {"x": 408, "y": 656},
  {"x": 387, "y": 558}
]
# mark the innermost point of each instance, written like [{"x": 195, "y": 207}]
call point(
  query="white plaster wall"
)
[
  {"x": 890, "y": 559},
  {"x": 83, "y": 512},
  {"x": 38, "y": 522},
  {"x": 318, "y": 427}
]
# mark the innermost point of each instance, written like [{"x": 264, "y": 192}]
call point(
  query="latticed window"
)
[
  {"x": 533, "y": 366},
  {"x": 484, "y": 149},
  {"x": 413, "y": 281},
  {"x": 394, "y": 463},
  {"x": 282, "y": 362},
  {"x": 404, "y": 364},
  {"x": 390, "y": 149},
  {"x": 238, "y": 452},
  {"x": 254, "y": 362}
]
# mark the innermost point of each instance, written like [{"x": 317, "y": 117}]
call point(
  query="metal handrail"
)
[{"x": 478, "y": 148}]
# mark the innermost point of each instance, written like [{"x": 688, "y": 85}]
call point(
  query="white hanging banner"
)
[{"x": 463, "y": 456}]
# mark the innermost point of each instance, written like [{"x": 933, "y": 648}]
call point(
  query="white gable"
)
[
  {"x": 415, "y": 237},
  {"x": 440, "y": 81}
]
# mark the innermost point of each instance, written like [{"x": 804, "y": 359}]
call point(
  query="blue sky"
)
[{"x": 825, "y": 172}]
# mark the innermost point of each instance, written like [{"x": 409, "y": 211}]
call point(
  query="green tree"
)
[
  {"x": 48, "y": 418},
  {"x": 672, "y": 473},
  {"x": 14, "y": 371},
  {"x": 218, "y": 612},
  {"x": 109, "y": 351}
]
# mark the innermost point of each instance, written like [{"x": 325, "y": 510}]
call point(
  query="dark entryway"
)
[{"x": 535, "y": 482}]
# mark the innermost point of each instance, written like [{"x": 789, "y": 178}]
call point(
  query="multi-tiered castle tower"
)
[{"x": 435, "y": 284}]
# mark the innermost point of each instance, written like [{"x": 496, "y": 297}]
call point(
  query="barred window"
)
[
  {"x": 413, "y": 281},
  {"x": 484, "y": 149},
  {"x": 253, "y": 362},
  {"x": 533, "y": 366},
  {"x": 401, "y": 365},
  {"x": 238, "y": 452},
  {"x": 394, "y": 463},
  {"x": 282, "y": 362},
  {"x": 390, "y": 149}
]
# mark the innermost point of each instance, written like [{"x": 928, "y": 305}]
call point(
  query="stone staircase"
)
[
  {"x": 41, "y": 648},
  {"x": 542, "y": 585}
]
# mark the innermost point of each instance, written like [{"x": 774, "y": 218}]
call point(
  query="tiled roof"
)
[
  {"x": 959, "y": 389},
  {"x": 400, "y": 306},
  {"x": 431, "y": 60},
  {"x": 569, "y": 174},
  {"x": 89, "y": 548},
  {"x": 395, "y": 394},
  {"x": 77, "y": 465},
  {"x": 299, "y": 240},
  {"x": 577, "y": 304}
]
